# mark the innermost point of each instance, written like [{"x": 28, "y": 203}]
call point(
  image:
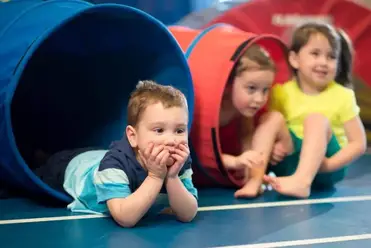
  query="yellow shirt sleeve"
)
[
  {"x": 276, "y": 98},
  {"x": 350, "y": 107}
]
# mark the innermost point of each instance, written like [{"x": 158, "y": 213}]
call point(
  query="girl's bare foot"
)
[
  {"x": 251, "y": 189},
  {"x": 289, "y": 186}
]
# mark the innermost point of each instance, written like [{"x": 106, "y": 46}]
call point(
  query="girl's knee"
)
[
  {"x": 316, "y": 121},
  {"x": 273, "y": 117},
  {"x": 316, "y": 118}
]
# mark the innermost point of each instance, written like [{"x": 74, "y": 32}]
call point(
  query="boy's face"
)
[{"x": 160, "y": 125}]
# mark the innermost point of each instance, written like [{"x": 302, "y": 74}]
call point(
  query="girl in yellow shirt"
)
[{"x": 324, "y": 131}]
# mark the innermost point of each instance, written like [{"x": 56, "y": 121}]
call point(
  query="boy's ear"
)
[
  {"x": 131, "y": 134},
  {"x": 294, "y": 60}
]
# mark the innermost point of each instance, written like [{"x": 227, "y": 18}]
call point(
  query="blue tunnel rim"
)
[{"x": 38, "y": 41}]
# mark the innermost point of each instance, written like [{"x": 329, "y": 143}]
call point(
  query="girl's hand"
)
[{"x": 278, "y": 153}]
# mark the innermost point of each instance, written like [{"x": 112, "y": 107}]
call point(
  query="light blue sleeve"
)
[
  {"x": 186, "y": 179},
  {"x": 111, "y": 183}
]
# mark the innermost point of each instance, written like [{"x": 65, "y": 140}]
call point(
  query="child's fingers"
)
[
  {"x": 181, "y": 153},
  {"x": 148, "y": 150},
  {"x": 277, "y": 158},
  {"x": 162, "y": 157},
  {"x": 280, "y": 149},
  {"x": 256, "y": 160},
  {"x": 249, "y": 164},
  {"x": 141, "y": 156},
  {"x": 279, "y": 152},
  {"x": 156, "y": 151},
  {"x": 273, "y": 162},
  {"x": 177, "y": 157},
  {"x": 183, "y": 147},
  {"x": 165, "y": 154},
  {"x": 185, "y": 143}
]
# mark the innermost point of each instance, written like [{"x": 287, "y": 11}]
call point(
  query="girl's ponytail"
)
[{"x": 345, "y": 62}]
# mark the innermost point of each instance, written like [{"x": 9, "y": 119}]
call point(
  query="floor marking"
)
[
  {"x": 287, "y": 203},
  {"x": 46, "y": 219},
  {"x": 303, "y": 242},
  {"x": 202, "y": 209}
]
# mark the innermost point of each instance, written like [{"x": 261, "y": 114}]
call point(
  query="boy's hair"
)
[
  {"x": 340, "y": 46},
  {"x": 257, "y": 55},
  {"x": 148, "y": 92}
]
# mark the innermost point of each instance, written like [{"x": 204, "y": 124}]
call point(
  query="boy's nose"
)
[{"x": 170, "y": 142}]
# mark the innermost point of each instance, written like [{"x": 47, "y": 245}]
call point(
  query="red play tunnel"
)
[{"x": 212, "y": 54}]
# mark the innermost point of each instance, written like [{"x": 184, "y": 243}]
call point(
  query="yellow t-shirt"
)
[{"x": 337, "y": 103}]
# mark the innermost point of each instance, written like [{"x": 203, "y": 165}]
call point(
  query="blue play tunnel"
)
[{"x": 66, "y": 71}]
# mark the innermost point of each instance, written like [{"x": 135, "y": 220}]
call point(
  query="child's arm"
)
[
  {"x": 355, "y": 132},
  {"x": 182, "y": 202},
  {"x": 356, "y": 146},
  {"x": 230, "y": 161},
  {"x": 181, "y": 192},
  {"x": 128, "y": 211},
  {"x": 112, "y": 185}
]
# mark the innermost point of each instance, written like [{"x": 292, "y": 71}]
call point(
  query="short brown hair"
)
[
  {"x": 148, "y": 92},
  {"x": 260, "y": 58}
]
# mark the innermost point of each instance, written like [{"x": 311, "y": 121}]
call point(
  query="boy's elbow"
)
[
  {"x": 187, "y": 218},
  {"x": 127, "y": 223},
  {"x": 120, "y": 216}
]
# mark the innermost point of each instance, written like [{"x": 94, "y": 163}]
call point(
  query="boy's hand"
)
[
  {"x": 249, "y": 159},
  {"x": 180, "y": 156},
  {"x": 155, "y": 158}
]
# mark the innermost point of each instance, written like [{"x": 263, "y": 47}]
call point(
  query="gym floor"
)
[{"x": 338, "y": 218}]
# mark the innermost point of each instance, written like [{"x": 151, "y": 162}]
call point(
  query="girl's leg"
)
[
  {"x": 271, "y": 128},
  {"x": 317, "y": 133}
]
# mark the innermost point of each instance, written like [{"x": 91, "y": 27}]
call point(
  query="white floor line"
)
[
  {"x": 287, "y": 203},
  {"x": 202, "y": 209},
  {"x": 46, "y": 219},
  {"x": 303, "y": 242}
]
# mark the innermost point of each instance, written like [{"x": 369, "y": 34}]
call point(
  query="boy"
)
[{"x": 152, "y": 159}]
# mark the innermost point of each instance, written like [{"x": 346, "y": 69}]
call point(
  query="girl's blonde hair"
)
[{"x": 254, "y": 58}]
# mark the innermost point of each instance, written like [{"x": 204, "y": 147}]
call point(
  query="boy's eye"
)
[
  {"x": 179, "y": 131},
  {"x": 159, "y": 130}
]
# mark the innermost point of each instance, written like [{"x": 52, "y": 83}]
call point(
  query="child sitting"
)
[
  {"x": 243, "y": 100},
  {"x": 324, "y": 131}
]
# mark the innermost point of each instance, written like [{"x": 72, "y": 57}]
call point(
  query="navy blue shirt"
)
[
  {"x": 94, "y": 177},
  {"x": 121, "y": 156}
]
